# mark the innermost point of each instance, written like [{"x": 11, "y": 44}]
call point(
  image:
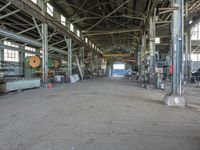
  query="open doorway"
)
[{"x": 119, "y": 69}]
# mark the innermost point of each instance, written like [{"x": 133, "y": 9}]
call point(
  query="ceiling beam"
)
[
  {"x": 149, "y": 13},
  {"x": 108, "y": 15},
  {"x": 23, "y": 39},
  {"x": 92, "y": 33},
  {"x": 11, "y": 13},
  {"x": 2, "y": 8},
  {"x": 76, "y": 20},
  {"x": 31, "y": 9}
]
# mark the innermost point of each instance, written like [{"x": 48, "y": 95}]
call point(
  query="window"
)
[
  {"x": 71, "y": 27},
  {"x": 29, "y": 49},
  {"x": 50, "y": 9},
  {"x": 78, "y": 33},
  {"x": 194, "y": 57},
  {"x": 92, "y": 45},
  {"x": 119, "y": 66},
  {"x": 11, "y": 55},
  {"x": 157, "y": 40},
  {"x": 195, "y": 32},
  {"x": 34, "y": 1},
  {"x": 86, "y": 40},
  {"x": 63, "y": 61},
  {"x": 63, "y": 20}
]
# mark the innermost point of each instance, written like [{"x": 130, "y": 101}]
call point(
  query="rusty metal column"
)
[{"x": 44, "y": 47}]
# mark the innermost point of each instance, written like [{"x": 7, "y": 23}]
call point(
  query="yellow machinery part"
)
[
  {"x": 35, "y": 61},
  {"x": 39, "y": 72},
  {"x": 57, "y": 64}
]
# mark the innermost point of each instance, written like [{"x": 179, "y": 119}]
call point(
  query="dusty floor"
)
[{"x": 102, "y": 114}]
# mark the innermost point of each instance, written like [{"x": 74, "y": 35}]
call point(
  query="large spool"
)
[
  {"x": 57, "y": 64},
  {"x": 34, "y": 61}
]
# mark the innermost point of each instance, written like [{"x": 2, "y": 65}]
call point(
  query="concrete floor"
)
[{"x": 102, "y": 114}]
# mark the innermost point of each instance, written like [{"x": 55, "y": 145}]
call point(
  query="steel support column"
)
[
  {"x": 188, "y": 55},
  {"x": 187, "y": 45},
  {"x": 143, "y": 45},
  {"x": 45, "y": 53},
  {"x": 69, "y": 54},
  {"x": 177, "y": 37},
  {"x": 1, "y": 53},
  {"x": 152, "y": 32},
  {"x": 175, "y": 98},
  {"x": 142, "y": 53},
  {"x": 83, "y": 60},
  {"x": 44, "y": 48}
]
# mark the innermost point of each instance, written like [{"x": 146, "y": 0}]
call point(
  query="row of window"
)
[
  {"x": 50, "y": 11},
  {"x": 10, "y": 55},
  {"x": 195, "y": 32},
  {"x": 29, "y": 49},
  {"x": 71, "y": 26},
  {"x": 13, "y": 56}
]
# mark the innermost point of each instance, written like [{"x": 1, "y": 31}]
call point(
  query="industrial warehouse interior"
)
[{"x": 99, "y": 74}]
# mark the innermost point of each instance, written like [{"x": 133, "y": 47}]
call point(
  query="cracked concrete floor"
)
[{"x": 101, "y": 114}]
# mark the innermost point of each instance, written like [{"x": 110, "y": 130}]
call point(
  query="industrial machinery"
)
[
  {"x": 161, "y": 70},
  {"x": 145, "y": 71},
  {"x": 33, "y": 66},
  {"x": 30, "y": 66}
]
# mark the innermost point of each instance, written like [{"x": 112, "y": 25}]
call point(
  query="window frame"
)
[{"x": 50, "y": 9}]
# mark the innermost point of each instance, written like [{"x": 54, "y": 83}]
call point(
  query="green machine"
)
[
  {"x": 33, "y": 65},
  {"x": 29, "y": 70}
]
